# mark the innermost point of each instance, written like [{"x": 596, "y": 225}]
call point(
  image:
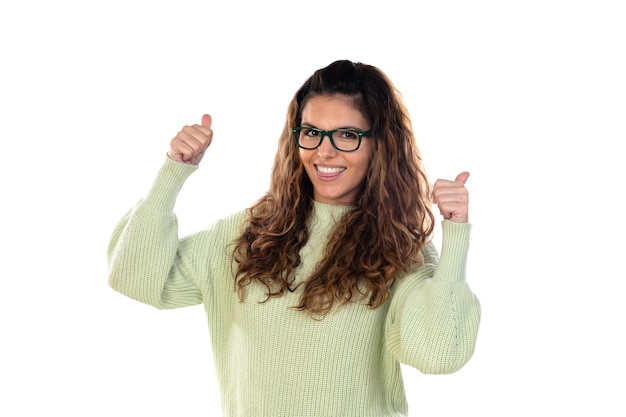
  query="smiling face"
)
[{"x": 336, "y": 176}]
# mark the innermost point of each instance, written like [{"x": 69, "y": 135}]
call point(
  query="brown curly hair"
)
[{"x": 380, "y": 237}]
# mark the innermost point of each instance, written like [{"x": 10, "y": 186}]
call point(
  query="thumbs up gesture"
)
[
  {"x": 452, "y": 198},
  {"x": 189, "y": 145}
]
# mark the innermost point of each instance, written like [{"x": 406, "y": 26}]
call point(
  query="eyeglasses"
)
[{"x": 344, "y": 140}]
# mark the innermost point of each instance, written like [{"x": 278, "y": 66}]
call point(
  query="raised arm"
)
[
  {"x": 146, "y": 259},
  {"x": 434, "y": 317}
]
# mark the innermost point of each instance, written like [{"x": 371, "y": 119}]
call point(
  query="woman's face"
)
[{"x": 336, "y": 176}]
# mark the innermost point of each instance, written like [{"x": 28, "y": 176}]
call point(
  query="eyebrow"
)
[{"x": 304, "y": 124}]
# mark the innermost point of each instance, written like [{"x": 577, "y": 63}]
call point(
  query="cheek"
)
[
  {"x": 365, "y": 160},
  {"x": 304, "y": 155},
  {"x": 366, "y": 164},
  {"x": 305, "y": 158}
]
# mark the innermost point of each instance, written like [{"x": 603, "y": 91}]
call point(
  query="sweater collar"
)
[{"x": 332, "y": 212}]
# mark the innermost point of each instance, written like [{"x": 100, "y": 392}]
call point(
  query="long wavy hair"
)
[{"x": 379, "y": 238}]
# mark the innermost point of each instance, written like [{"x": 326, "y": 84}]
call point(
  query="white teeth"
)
[{"x": 329, "y": 170}]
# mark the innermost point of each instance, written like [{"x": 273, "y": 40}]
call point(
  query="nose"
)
[{"x": 326, "y": 149}]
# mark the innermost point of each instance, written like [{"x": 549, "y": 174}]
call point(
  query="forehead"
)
[{"x": 332, "y": 111}]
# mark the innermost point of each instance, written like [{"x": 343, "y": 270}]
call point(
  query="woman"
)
[{"x": 317, "y": 293}]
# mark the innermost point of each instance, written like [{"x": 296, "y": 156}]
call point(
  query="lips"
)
[{"x": 328, "y": 173}]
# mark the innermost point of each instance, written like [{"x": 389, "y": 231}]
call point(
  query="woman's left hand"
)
[{"x": 452, "y": 198}]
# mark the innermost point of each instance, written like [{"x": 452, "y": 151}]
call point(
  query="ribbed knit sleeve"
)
[
  {"x": 146, "y": 260},
  {"x": 433, "y": 320}
]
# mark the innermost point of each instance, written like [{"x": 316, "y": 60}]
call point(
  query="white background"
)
[{"x": 529, "y": 96}]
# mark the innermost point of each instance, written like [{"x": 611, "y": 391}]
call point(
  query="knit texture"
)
[{"x": 272, "y": 360}]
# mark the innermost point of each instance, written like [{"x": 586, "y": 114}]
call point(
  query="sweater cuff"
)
[
  {"x": 454, "y": 249},
  {"x": 170, "y": 179}
]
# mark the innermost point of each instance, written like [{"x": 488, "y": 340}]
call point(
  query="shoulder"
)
[
  {"x": 408, "y": 280},
  {"x": 231, "y": 225},
  {"x": 217, "y": 238}
]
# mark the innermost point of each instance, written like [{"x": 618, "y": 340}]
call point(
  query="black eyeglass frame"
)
[{"x": 296, "y": 137}]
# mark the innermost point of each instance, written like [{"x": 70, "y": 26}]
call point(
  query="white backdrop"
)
[{"x": 527, "y": 96}]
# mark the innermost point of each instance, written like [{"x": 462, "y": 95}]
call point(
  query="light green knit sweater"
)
[{"x": 274, "y": 361}]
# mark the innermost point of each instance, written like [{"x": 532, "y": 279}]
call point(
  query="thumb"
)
[
  {"x": 206, "y": 121},
  {"x": 462, "y": 177}
]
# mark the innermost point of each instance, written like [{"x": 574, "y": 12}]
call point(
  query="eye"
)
[
  {"x": 310, "y": 131},
  {"x": 349, "y": 134}
]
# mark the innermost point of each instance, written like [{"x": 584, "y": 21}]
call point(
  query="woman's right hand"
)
[{"x": 189, "y": 145}]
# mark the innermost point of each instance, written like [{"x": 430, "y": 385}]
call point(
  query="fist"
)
[
  {"x": 452, "y": 198},
  {"x": 189, "y": 145}
]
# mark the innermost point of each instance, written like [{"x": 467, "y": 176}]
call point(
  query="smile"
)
[{"x": 330, "y": 170}]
